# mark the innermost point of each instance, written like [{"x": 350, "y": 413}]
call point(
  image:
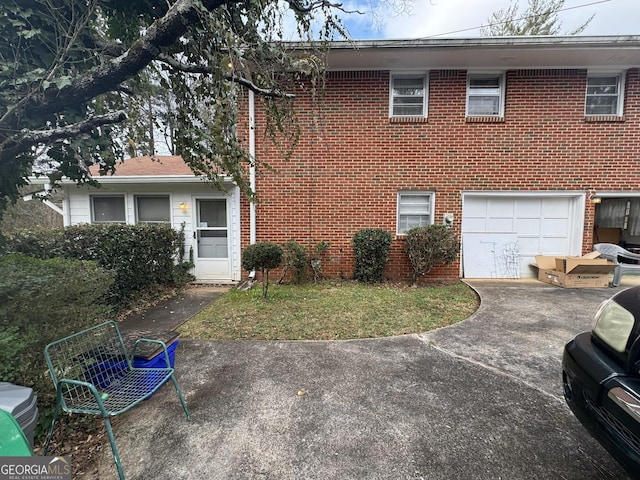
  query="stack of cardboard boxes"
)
[{"x": 587, "y": 271}]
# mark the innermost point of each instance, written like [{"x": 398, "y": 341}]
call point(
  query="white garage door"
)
[{"x": 502, "y": 233}]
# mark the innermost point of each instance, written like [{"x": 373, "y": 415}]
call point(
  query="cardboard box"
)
[
  {"x": 608, "y": 235},
  {"x": 588, "y": 271}
]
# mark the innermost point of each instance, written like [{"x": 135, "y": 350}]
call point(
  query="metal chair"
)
[
  {"x": 615, "y": 253},
  {"x": 94, "y": 375}
]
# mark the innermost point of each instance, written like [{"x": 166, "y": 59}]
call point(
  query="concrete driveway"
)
[{"x": 479, "y": 400}]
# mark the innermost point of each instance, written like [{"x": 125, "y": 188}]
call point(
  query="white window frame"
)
[
  {"x": 151, "y": 195},
  {"x": 113, "y": 195},
  {"x": 620, "y": 79},
  {"x": 486, "y": 91},
  {"x": 415, "y": 193},
  {"x": 425, "y": 93}
]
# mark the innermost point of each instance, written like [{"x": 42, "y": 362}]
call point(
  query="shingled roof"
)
[{"x": 149, "y": 166}]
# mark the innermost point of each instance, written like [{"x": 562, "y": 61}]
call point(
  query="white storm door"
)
[{"x": 211, "y": 233}]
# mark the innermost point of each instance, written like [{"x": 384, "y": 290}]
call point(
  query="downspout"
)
[{"x": 252, "y": 173}]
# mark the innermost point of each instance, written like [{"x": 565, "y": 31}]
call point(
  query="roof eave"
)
[
  {"x": 134, "y": 179},
  {"x": 487, "y": 52}
]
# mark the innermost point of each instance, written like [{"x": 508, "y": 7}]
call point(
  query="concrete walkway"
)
[{"x": 478, "y": 400}]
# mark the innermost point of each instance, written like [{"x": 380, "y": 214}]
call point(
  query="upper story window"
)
[
  {"x": 604, "y": 94},
  {"x": 408, "y": 96},
  {"x": 414, "y": 210},
  {"x": 153, "y": 209},
  {"x": 485, "y": 95},
  {"x": 107, "y": 209}
]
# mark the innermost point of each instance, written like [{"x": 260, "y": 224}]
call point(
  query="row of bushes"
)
[
  {"x": 140, "y": 255},
  {"x": 425, "y": 246}
]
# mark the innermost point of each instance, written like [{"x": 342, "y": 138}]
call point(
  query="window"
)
[
  {"x": 408, "y": 97},
  {"x": 485, "y": 95},
  {"x": 107, "y": 209},
  {"x": 604, "y": 95},
  {"x": 414, "y": 210},
  {"x": 153, "y": 209}
]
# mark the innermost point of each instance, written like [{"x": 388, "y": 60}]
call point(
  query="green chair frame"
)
[{"x": 94, "y": 375}]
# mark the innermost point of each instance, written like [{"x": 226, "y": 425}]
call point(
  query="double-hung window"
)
[
  {"x": 408, "y": 96},
  {"x": 604, "y": 95},
  {"x": 153, "y": 209},
  {"x": 485, "y": 95},
  {"x": 107, "y": 209},
  {"x": 414, "y": 210}
]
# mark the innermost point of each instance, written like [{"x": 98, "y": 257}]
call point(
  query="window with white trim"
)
[
  {"x": 107, "y": 209},
  {"x": 485, "y": 95},
  {"x": 408, "y": 96},
  {"x": 414, "y": 210},
  {"x": 153, "y": 209},
  {"x": 604, "y": 94}
]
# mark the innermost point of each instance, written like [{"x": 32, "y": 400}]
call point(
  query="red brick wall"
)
[{"x": 352, "y": 160}]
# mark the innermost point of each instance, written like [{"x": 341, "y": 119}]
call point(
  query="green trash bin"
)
[{"x": 13, "y": 443}]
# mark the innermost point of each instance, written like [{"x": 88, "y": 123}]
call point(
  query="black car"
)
[{"x": 601, "y": 376}]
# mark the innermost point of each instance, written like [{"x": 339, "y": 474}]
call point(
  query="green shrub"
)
[
  {"x": 42, "y": 301},
  {"x": 262, "y": 256},
  {"x": 430, "y": 246},
  {"x": 140, "y": 255},
  {"x": 39, "y": 243},
  {"x": 371, "y": 248},
  {"x": 294, "y": 258}
]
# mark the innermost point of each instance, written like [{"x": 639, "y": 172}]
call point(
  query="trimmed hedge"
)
[
  {"x": 42, "y": 301},
  {"x": 140, "y": 255},
  {"x": 371, "y": 248},
  {"x": 429, "y": 246}
]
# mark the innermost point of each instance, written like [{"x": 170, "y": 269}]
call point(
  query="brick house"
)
[{"x": 511, "y": 141}]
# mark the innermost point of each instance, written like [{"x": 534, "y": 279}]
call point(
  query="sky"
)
[{"x": 463, "y": 18}]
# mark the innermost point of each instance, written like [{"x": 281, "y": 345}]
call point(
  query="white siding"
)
[{"x": 78, "y": 210}]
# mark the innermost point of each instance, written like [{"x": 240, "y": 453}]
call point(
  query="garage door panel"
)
[
  {"x": 500, "y": 208},
  {"x": 555, "y": 207},
  {"x": 555, "y": 226},
  {"x": 554, "y": 246},
  {"x": 527, "y": 226},
  {"x": 475, "y": 224},
  {"x": 497, "y": 225},
  {"x": 527, "y": 208},
  {"x": 476, "y": 208},
  {"x": 528, "y": 245}
]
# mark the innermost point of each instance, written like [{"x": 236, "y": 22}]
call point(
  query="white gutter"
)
[
  {"x": 252, "y": 173},
  {"x": 252, "y": 168},
  {"x": 51, "y": 205}
]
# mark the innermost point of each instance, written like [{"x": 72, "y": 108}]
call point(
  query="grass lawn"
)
[{"x": 330, "y": 311}]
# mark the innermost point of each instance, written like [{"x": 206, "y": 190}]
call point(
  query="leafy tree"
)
[
  {"x": 539, "y": 18},
  {"x": 71, "y": 71},
  {"x": 429, "y": 246}
]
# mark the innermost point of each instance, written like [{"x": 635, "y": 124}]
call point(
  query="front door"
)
[{"x": 212, "y": 259}]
